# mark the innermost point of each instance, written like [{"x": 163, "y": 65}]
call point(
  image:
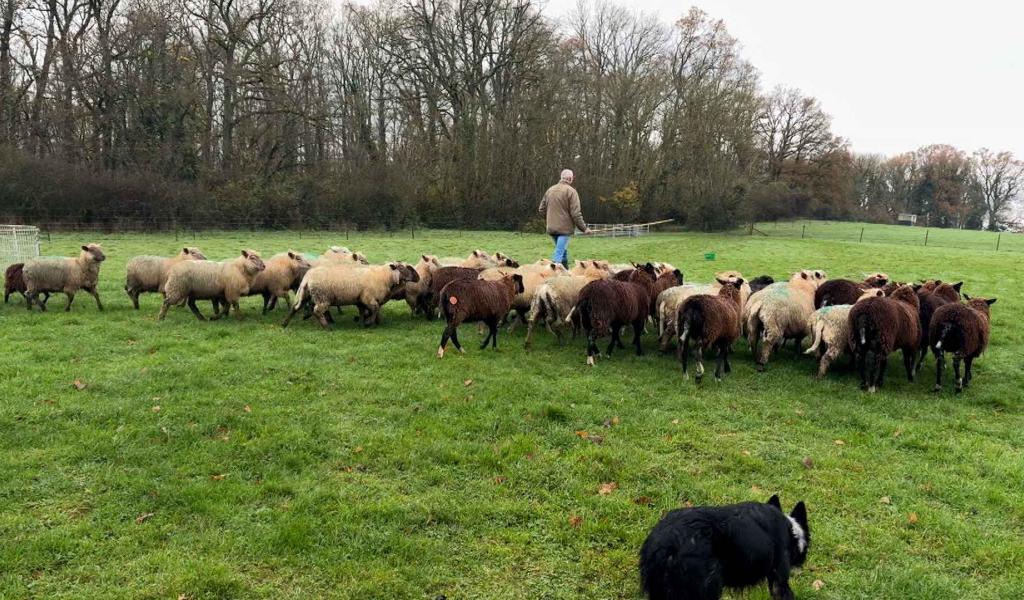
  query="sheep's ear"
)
[
  {"x": 916, "y": 286},
  {"x": 394, "y": 266},
  {"x": 803, "y": 274},
  {"x": 424, "y": 258},
  {"x": 292, "y": 255},
  {"x": 966, "y": 297},
  {"x": 958, "y": 285},
  {"x": 186, "y": 250},
  {"x": 990, "y": 301},
  {"x": 774, "y": 501},
  {"x": 721, "y": 281},
  {"x": 554, "y": 267},
  {"x": 86, "y": 248},
  {"x": 245, "y": 253},
  {"x": 739, "y": 282}
]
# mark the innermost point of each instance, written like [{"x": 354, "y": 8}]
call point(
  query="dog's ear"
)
[
  {"x": 799, "y": 515},
  {"x": 774, "y": 501}
]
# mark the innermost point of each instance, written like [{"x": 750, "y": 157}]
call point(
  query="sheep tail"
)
[
  {"x": 943, "y": 334},
  {"x": 568, "y": 317},
  {"x": 862, "y": 330},
  {"x": 819, "y": 329}
]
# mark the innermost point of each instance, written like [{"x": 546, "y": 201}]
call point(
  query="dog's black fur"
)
[{"x": 693, "y": 553}]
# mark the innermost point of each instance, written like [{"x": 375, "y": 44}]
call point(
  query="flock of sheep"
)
[{"x": 869, "y": 318}]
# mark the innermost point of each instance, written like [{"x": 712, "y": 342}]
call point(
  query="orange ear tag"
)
[{"x": 453, "y": 300}]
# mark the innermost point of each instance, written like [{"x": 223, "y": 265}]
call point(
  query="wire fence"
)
[{"x": 869, "y": 233}]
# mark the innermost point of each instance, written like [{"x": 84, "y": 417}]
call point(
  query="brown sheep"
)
[
  {"x": 470, "y": 300},
  {"x": 282, "y": 274},
  {"x": 605, "y": 306},
  {"x": 845, "y": 291},
  {"x": 428, "y": 300},
  {"x": 962, "y": 329},
  {"x": 932, "y": 295},
  {"x": 14, "y": 281},
  {"x": 711, "y": 322},
  {"x": 881, "y": 326}
]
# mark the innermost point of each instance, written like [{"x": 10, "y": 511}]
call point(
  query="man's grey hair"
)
[{"x": 566, "y": 176}]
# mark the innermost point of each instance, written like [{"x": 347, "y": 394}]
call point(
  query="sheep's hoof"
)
[
  {"x": 760, "y": 367},
  {"x": 590, "y": 361},
  {"x": 698, "y": 378},
  {"x": 686, "y": 376},
  {"x": 718, "y": 380},
  {"x": 440, "y": 352},
  {"x": 937, "y": 388},
  {"x": 872, "y": 389}
]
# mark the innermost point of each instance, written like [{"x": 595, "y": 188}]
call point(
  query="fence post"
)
[
  {"x": 926, "y": 232},
  {"x": 803, "y": 230},
  {"x": 175, "y": 234},
  {"x": 861, "y": 234},
  {"x": 751, "y": 229},
  {"x": 412, "y": 228},
  {"x": 999, "y": 238}
]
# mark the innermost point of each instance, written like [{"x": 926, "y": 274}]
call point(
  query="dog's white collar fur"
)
[{"x": 798, "y": 533}]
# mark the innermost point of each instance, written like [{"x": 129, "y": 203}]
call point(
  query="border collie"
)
[{"x": 693, "y": 553}]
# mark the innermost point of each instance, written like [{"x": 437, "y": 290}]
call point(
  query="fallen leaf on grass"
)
[
  {"x": 247, "y": 408},
  {"x": 582, "y": 433},
  {"x": 839, "y": 443},
  {"x": 156, "y": 408},
  {"x": 357, "y": 449},
  {"x": 596, "y": 439},
  {"x": 607, "y": 488},
  {"x": 745, "y": 452},
  {"x": 575, "y": 521},
  {"x": 885, "y": 500},
  {"x": 808, "y": 463},
  {"x": 182, "y": 597},
  {"x": 755, "y": 488},
  {"x": 912, "y": 518},
  {"x": 78, "y": 385},
  {"x": 218, "y": 477},
  {"x": 675, "y": 421},
  {"x": 611, "y": 422},
  {"x": 642, "y": 500},
  {"x": 898, "y": 432},
  {"x": 467, "y": 382},
  {"x": 139, "y": 520},
  {"x": 818, "y": 584}
]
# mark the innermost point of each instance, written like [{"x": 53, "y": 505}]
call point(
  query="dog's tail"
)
[{"x": 665, "y": 573}]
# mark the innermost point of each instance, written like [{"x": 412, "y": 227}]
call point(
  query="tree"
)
[{"x": 998, "y": 179}]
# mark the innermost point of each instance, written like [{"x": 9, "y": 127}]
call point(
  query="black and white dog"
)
[{"x": 693, "y": 553}]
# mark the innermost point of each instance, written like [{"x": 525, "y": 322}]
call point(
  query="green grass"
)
[
  {"x": 300, "y": 463},
  {"x": 892, "y": 234}
]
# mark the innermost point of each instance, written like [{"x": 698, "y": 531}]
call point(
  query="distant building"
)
[{"x": 907, "y": 219}]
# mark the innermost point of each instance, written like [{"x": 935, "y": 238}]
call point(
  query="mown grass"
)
[{"x": 235, "y": 459}]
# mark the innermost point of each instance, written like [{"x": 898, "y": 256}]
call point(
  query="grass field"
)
[{"x": 235, "y": 459}]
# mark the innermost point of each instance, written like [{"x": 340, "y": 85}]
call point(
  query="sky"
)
[{"x": 895, "y": 75}]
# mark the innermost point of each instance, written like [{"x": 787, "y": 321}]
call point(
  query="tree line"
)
[{"x": 452, "y": 113}]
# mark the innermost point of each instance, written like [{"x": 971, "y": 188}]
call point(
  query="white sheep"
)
[
  {"x": 779, "y": 312},
  {"x": 283, "y": 273},
  {"x": 830, "y": 330},
  {"x": 366, "y": 287},
  {"x": 65, "y": 275},
  {"x": 222, "y": 282},
  {"x": 555, "y": 299},
  {"x": 411, "y": 291},
  {"x": 149, "y": 273}
]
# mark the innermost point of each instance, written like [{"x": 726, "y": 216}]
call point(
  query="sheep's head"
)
[
  {"x": 480, "y": 254},
  {"x": 429, "y": 260},
  {"x": 906, "y": 294},
  {"x": 728, "y": 276},
  {"x": 731, "y": 288},
  {"x": 191, "y": 253},
  {"x": 948, "y": 292},
  {"x": 253, "y": 262},
  {"x": 93, "y": 252},
  {"x": 871, "y": 293},
  {"x": 405, "y": 272},
  {"x": 812, "y": 276},
  {"x": 876, "y": 279},
  {"x": 360, "y": 258},
  {"x": 517, "y": 282},
  {"x": 298, "y": 260},
  {"x": 980, "y": 304},
  {"x": 501, "y": 257},
  {"x": 336, "y": 250},
  {"x": 675, "y": 275},
  {"x": 557, "y": 268}
]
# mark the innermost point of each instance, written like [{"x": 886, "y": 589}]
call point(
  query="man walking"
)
[{"x": 561, "y": 206}]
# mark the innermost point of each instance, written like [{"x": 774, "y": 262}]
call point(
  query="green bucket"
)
[{"x": 709, "y": 256}]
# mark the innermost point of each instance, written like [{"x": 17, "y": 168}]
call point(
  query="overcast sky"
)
[{"x": 895, "y": 74}]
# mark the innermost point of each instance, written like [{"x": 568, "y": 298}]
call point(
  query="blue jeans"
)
[{"x": 561, "y": 254}]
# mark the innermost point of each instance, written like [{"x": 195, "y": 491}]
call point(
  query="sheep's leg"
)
[
  {"x": 591, "y": 347},
  {"x": 618, "y": 340},
  {"x": 908, "y": 363},
  {"x": 95, "y": 294},
  {"x": 611, "y": 343},
  {"x": 798, "y": 345},
  {"x": 494, "y": 334},
  {"x": 768, "y": 343},
  {"x": 163, "y": 308},
  {"x": 46, "y": 298},
  {"x": 266, "y": 301},
  {"x": 195, "y": 309},
  {"x": 455, "y": 338},
  {"x": 698, "y": 373},
  {"x": 881, "y": 364},
  {"x": 826, "y": 359},
  {"x": 445, "y": 335},
  {"x": 318, "y": 311},
  {"x": 638, "y": 329},
  {"x": 291, "y": 313},
  {"x": 968, "y": 371},
  {"x": 956, "y": 372},
  {"x": 30, "y": 298},
  {"x": 71, "y": 298},
  {"x": 940, "y": 366},
  {"x": 683, "y": 352},
  {"x": 133, "y": 295},
  {"x": 529, "y": 333},
  {"x": 920, "y": 358},
  {"x": 371, "y": 314},
  {"x": 862, "y": 367},
  {"x": 490, "y": 332},
  {"x": 238, "y": 309},
  {"x": 728, "y": 351},
  {"x": 720, "y": 366}
]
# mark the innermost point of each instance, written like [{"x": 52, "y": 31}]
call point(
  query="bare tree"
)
[{"x": 999, "y": 180}]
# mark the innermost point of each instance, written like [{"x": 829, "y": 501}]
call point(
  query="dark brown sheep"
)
[
  {"x": 933, "y": 295},
  {"x": 666, "y": 280},
  {"x": 472, "y": 300},
  {"x": 605, "y": 306},
  {"x": 711, "y": 322},
  {"x": 428, "y": 300},
  {"x": 962, "y": 329},
  {"x": 14, "y": 281},
  {"x": 845, "y": 291},
  {"x": 881, "y": 326}
]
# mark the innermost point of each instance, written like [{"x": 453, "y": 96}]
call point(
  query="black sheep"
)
[
  {"x": 881, "y": 326},
  {"x": 605, "y": 306},
  {"x": 962, "y": 329}
]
